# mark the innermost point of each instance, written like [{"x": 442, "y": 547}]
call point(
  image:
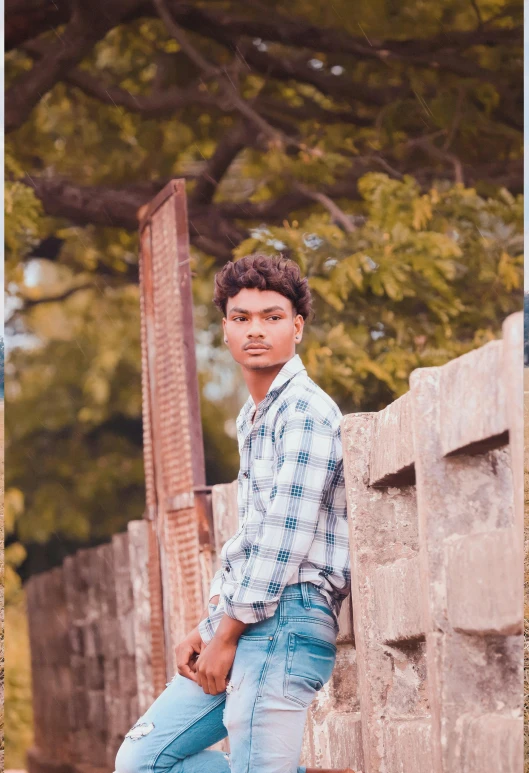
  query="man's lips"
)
[{"x": 256, "y": 347}]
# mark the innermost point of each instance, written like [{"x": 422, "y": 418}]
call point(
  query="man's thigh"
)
[
  {"x": 277, "y": 671},
  {"x": 181, "y": 722}
]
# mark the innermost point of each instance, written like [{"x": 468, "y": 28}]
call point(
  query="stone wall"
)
[
  {"x": 435, "y": 502},
  {"x": 90, "y": 640},
  {"x": 428, "y": 675}
]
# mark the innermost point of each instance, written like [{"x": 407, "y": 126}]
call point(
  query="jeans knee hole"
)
[{"x": 139, "y": 730}]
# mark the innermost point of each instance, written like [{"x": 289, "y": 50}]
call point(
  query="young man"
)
[{"x": 267, "y": 642}]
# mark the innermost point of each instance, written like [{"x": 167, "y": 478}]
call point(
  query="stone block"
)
[
  {"x": 397, "y": 593},
  {"x": 342, "y": 694},
  {"x": 345, "y": 621},
  {"x": 391, "y": 454},
  {"x": 344, "y": 732},
  {"x": 472, "y": 401},
  {"x": 484, "y": 593},
  {"x": 408, "y": 745},
  {"x": 491, "y": 742}
]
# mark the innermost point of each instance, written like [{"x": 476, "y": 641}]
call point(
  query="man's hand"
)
[
  {"x": 214, "y": 664},
  {"x": 216, "y": 660},
  {"x": 188, "y": 649},
  {"x": 186, "y": 652}
]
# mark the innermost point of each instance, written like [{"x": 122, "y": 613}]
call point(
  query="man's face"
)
[{"x": 262, "y": 328}]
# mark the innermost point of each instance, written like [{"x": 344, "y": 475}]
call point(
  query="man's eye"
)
[{"x": 274, "y": 317}]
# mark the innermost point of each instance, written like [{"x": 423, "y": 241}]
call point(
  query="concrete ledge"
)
[
  {"x": 397, "y": 592},
  {"x": 472, "y": 402},
  {"x": 391, "y": 455},
  {"x": 484, "y": 593}
]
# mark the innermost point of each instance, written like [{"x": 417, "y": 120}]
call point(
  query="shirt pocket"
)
[{"x": 262, "y": 472}]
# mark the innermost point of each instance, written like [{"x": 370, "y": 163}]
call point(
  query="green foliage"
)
[
  {"x": 17, "y": 717},
  {"x": 18, "y": 710},
  {"x": 421, "y": 279},
  {"x": 428, "y": 271}
]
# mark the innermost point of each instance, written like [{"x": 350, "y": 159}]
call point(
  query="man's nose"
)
[{"x": 255, "y": 330}]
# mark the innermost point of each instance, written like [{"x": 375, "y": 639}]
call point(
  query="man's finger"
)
[
  {"x": 212, "y": 685},
  {"x": 202, "y": 681},
  {"x": 185, "y": 670},
  {"x": 220, "y": 684}
]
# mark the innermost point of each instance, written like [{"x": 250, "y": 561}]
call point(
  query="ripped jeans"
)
[{"x": 279, "y": 665}]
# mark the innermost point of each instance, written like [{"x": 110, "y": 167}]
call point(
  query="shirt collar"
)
[{"x": 288, "y": 371}]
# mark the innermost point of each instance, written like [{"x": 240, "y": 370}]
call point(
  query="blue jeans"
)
[{"x": 279, "y": 665}]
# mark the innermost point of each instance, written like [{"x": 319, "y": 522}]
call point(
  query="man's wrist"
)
[{"x": 229, "y": 630}]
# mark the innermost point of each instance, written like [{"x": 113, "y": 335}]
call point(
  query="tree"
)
[{"x": 380, "y": 149}]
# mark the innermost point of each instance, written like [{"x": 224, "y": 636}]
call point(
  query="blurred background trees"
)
[{"x": 376, "y": 143}]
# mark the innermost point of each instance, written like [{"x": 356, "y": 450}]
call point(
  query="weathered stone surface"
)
[
  {"x": 337, "y": 742},
  {"x": 472, "y": 405},
  {"x": 383, "y": 530},
  {"x": 391, "y": 452},
  {"x": 397, "y": 590},
  {"x": 138, "y": 532},
  {"x": 345, "y": 621},
  {"x": 482, "y": 590},
  {"x": 461, "y": 498},
  {"x": 409, "y": 746},
  {"x": 50, "y": 664},
  {"x": 490, "y": 742},
  {"x": 512, "y": 372}
]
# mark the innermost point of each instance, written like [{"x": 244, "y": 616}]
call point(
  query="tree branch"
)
[
  {"x": 224, "y": 82},
  {"x": 80, "y": 36},
  {"x": 158, "y": 104},
  {"x": 337, "y": 214},
  {"x": 439, "y": 51},
  {"x": 29, "y": 303},
  {"x": 228, "y": 148}
]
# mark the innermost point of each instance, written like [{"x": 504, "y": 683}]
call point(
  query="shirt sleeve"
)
[{"x": 307, "y": 452}]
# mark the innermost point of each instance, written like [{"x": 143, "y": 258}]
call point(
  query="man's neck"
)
[{"x": 259, "y": 381}]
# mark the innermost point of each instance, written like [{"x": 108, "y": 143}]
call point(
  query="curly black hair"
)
[{"x": 263, "y": 272}]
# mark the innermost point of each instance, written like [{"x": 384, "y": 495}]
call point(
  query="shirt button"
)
[{"x": 246, "y": 474}]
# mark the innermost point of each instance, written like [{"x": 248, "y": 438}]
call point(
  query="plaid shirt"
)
[{"x": 292, "y": 506}]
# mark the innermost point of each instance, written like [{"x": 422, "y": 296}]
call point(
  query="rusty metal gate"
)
[{"x": 177, "y": 499}]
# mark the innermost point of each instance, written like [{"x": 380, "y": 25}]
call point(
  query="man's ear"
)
[{"x": 299, "y": 324}]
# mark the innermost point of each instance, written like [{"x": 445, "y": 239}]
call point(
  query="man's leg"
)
[
  {"x": 279, "y": 666},
  {"x": 174, "y": 733}
]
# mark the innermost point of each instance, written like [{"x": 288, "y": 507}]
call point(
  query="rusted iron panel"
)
[{"x": 171, "y": 407}]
